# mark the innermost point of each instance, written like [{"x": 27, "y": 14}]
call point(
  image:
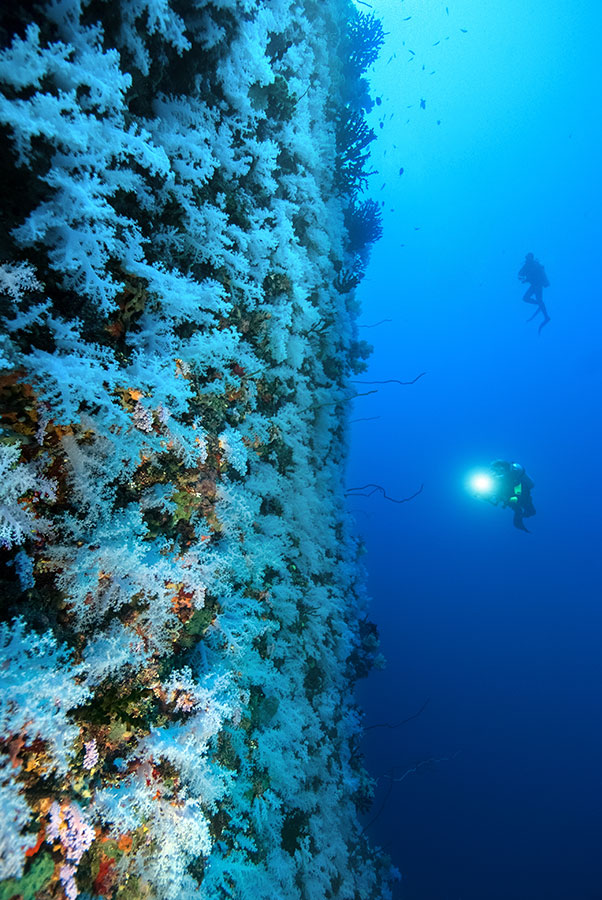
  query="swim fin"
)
[{"x": 518, "y": 522}]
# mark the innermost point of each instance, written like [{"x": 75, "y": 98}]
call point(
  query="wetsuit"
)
[
  {"x": 534, "y": 273},
  {"x": 513, "y": 489}
]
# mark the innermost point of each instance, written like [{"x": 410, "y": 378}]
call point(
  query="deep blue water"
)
[{"x": 501, "y": 630}]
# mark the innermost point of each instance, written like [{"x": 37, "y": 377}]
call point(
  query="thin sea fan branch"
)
[
  {"x": 403, "y": 721},
  {"x": 356, "y": 492},
  {"x": 391, "y": 380}
]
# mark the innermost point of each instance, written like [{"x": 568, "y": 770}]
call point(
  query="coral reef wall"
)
[{"x": 183, "y": 616}]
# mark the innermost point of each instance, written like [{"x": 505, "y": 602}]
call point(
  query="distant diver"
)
[
  {"x": 512, "y": 488},
  {"x": 533, "y": 273}
]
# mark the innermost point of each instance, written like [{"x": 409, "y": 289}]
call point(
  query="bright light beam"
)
[{"x": 481, "y": 483}]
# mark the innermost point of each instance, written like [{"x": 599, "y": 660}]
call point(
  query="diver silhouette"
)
[
  {"x": 534, "y": 274},
  {"x": 512, "y": 488}
]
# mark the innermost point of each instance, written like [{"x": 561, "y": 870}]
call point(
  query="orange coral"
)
[{"x": 31, "y": 851}]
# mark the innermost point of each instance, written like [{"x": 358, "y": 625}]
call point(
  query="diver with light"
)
[{"x": 507, "y": 484}]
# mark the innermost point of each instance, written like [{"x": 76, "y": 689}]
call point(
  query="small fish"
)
[
  {"x": 465, "y": 30},
  {"x": 381, "y": 124},
  {"x": 438, "y": 121},
  {"x": 447, "y": 10},
  {"x": 416, "y": 227},
  {"x": 379, "y": 100},
  {"x": 401, "y": 171},
  {"x": 382, "y": 202},
  {"x": 433, "y": 72},
  {"x": 436, "y": 42},
  {"x": 384, "y": 185},
  {"x": 413, "y": 52},
  {"x": 407, "y": 19},
  {"x": 423, "y": 104}
]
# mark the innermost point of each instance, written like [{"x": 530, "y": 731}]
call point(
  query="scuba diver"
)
[
  {"x": 512, "y": 488},
  {"x": 533, "y": 273}
]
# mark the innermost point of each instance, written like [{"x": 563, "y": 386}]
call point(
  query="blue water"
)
[{"x": 499, "y": 630}]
